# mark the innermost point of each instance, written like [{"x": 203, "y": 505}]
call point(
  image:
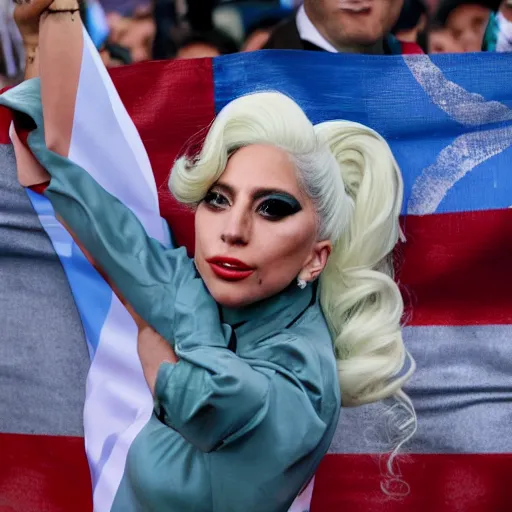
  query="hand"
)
[
  {"x": 153, "y": 351},
  {"x": 27, "y": 14}
]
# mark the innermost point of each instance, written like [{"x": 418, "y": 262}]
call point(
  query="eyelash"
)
[
  {"x": 217, "y": 201},
  {"x": 211, "y": 198}
]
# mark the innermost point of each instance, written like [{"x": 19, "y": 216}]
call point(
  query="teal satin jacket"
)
[{"x": 244, "y": 418}]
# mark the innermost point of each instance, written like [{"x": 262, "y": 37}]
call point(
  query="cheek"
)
[
  {"x": 203, "y": 231},
  {"x": 284, "y": 249},
  {"x": 389, "y": 11}
]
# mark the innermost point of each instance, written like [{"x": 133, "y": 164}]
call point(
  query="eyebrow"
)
[{"x": 258, "y": 193}]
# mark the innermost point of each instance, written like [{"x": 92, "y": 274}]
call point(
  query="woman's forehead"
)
[{"x": 261, "y": 165}]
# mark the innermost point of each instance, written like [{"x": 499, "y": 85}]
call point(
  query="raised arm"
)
[
  {"x": 26, "y": 16},
  {"x": 61, "y": 45},
  {"x": 87, "y": 125},
  {"x": 51, "y": 31}
]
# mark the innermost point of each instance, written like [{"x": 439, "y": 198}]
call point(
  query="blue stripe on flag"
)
[
  {"x": 447, "y": 118},
  {"x": 92, "y": 295}
]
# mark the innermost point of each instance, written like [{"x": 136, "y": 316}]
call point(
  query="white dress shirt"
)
[{"x": 308, "y": 32}]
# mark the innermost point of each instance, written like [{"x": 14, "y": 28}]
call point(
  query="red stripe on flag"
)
[
  {"x": 438, "y": 483},
  {"x": 170, "y": 103},
  {"x": 455, "y": 268},
  {"x": 43, "y": 474},
  {"x": 40, "y": 188},
  {"x": 5, "y": 123},
  {"x": 50, "y": 474}
]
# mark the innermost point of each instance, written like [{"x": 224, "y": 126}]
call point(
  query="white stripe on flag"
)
[
  {"x": 105, "y": 142},
  {"x": 461, "y": 390},
  {"x": 118, "y": 403}
]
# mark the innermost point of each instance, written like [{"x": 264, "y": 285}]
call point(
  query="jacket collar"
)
[{"x": 264, "y": 318}]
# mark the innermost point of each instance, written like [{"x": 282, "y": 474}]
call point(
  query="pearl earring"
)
[{"x": 301, "y": 283}]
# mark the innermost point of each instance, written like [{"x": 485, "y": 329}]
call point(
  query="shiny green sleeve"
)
[
  {"x": 146, "y": 274},
  {"x": 213, "y": 398}
]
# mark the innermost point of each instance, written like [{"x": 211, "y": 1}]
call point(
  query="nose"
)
[{"x": 237, "y": 227}]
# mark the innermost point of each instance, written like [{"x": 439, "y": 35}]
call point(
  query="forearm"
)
[
  {"x": 31, "y": 60},
  {"x": 28, "y": 16},
  {"x": 60, "y": 57}
]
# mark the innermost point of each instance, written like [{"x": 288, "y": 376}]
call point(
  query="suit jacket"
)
[{"x": 286, "y": 37}]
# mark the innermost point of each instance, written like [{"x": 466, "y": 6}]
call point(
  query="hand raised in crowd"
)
[{"x": 27, "y": 14}]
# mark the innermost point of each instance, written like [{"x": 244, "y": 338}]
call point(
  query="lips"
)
[
  {"x": 230, "y": 269},
  {"x": 356, "y": 5}
]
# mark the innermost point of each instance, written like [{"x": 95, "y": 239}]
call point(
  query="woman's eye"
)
[
  {"x": 275, "y": 209},
  {"x": 216, "y": 200}
]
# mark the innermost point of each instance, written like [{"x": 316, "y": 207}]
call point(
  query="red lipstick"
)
[{"x": 229, "y": 269}]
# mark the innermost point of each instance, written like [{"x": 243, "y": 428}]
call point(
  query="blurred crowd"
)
[{"x": 128, "y": 31}]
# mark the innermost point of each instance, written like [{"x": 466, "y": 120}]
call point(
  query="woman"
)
[{"x": 295, "y": 224}]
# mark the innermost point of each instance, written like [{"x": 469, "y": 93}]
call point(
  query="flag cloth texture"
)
[{"x": 448, "y": 121}]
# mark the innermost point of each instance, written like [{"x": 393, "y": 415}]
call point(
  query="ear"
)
[{"x": 316, "y": 262}]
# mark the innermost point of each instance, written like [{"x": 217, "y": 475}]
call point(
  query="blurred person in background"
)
[
  {"x": 165, "y": 16},
  {"x": 467, "y": 20},
  {"x": 438, "y": 39},
  {"x": 208, "y": 44},
  {"x": 200, "y": 14},
  {"x": 499, "y": 32},
  {"x": 504, "y": 38},
  {"x": 411, "y": 22},
  {"x": 348, "y": 26},
  {"x": 96, "y": 22},
  {"x": 136, "y": 34},
  {"x": 259, "y": 33},
  {"x": 177, "y": 20},
  {"x": 12, "y": 55}
]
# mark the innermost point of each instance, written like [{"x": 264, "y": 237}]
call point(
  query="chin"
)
[
  {"x": 229, "y": 297},
  {"x": 362, "y": 37}
]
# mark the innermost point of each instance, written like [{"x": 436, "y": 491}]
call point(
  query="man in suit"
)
[{"x": 347, "y": 26}]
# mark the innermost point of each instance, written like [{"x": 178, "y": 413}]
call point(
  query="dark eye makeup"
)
[
  {"x": 272, "y": 206},
  {"x": 216, "y": 200},
  {"x": 276, "y": 206}
]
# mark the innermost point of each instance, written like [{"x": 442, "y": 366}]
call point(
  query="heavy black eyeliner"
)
[{"x": 287, "y": 198}]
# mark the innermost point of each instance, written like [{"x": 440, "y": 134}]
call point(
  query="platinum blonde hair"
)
[{"x": 351, "y": 176}]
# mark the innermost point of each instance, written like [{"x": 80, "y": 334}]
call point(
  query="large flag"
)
[{"x": 449, "y": 123}]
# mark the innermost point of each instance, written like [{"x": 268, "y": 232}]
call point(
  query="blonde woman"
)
[{"x": 287, "y": 310}]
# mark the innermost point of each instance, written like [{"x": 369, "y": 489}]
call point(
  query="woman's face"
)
[{"x": 256, "y": 230}]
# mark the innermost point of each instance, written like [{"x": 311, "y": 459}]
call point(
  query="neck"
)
[{"x": 375, "y": 49}]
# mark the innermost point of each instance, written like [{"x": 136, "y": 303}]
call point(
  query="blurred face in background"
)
[
  {"x": 442, "y": 41},
  {"x": 467, "y": 24},
  {"x": 353, "y": 23},
  {"x": 134, "y": 34}
]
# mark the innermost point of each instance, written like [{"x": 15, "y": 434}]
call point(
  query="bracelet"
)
[{"x": 54, "y": 11}]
